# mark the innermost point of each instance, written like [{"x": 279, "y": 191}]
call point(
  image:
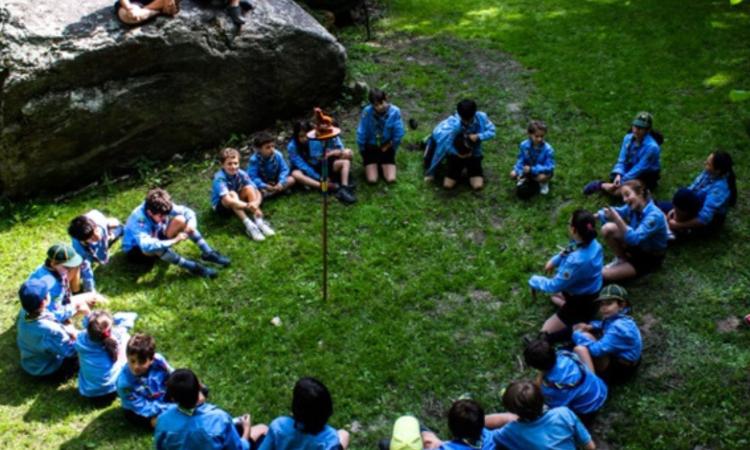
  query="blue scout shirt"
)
[
  {"x": 636, "y": 159},
  {"x": 377, "y": 129},
  {"x": 579, "y": 271},
  {"x": 59, "y": 292},
  {"x": 558, "y": 429},
  {"x": 620, "y": 338},
  {"x": 43, "y": 343},
  {"x": 144, "y": 233},
  {"x": 487, "y": 443},
  {"x": 647, "y": 230},
  {"x": 445, "y": 132},
  {"x": 144, "y": 395},
  {"x": 714, "y": 193},
  {"x": 268, "y": 170},
  {"x": 541, "y": 160},
  {"x": 283, "y": 435},
  {"x": 223, "y": 184},
  {"x": 299, "y": 156},
  {"x": 205, "y": 427},
  {"x": 98, "y": 374},
  {"x": 570, "y": 383},
  {"x": 98, "y": 252}
]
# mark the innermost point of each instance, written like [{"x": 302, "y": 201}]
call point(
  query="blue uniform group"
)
[
  {"x": 43, "y": 342},
  {"x": 308, "y": 158},
  {"x": 540, "y": 160},
  {"x": 59, "y": 291},
  {"x": 636, "y": 159},
  {"x": 620, "y": 338},
  {"x": 378, "y": 129},
  {"x": 570, "y": 383},
  {"x": 647, "y": 229},
  {"x": 264, "y": 171},
  {"x": 557, "y": 429},
  {"x": 144, "y": 394},
  {"x": 579, "y": 271},
  {"x": 204, "y": 427},
  {"x": 98, "y": 373},
  {"x": 283, "y": 434},
  {"x": 96, "y": 252},
  {"x": 143, "y": 233},
  {"x": 445, "y": 132},
  {"x": 223, "y": 183}
]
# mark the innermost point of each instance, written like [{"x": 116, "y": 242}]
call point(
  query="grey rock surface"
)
[{"x": 81, "y": 94}]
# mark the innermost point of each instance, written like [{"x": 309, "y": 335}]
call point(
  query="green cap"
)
[
  {"x": 643, "y": 120},
  {"x": 613, "y": 291},
  {"x": 65, "y": 255}
]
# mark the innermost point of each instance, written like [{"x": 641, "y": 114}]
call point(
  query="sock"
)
[
  {"x": 200, "y": 242},
  {"x": 173, "y": 257},
  {"x": 248, "y": 223}
]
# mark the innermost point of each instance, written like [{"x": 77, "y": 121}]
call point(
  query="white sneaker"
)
[
  {"x": 264, "y": 227},
  {"x": 615, "y": 262},
  {"x": 544, "y": 188},
  {"x": 253, "y": 231}
]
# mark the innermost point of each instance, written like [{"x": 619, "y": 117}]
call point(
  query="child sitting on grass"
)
[
  {"x": 233, "y": 193},
  {"x": 267, "y": 167},
  {"x": 194, "y": 424},
  {"x": 308, "y": 427},
  {"x": 326, "y": 147},
  {"x": 565, "y": 380},
  {"x": 557, "y": 428},
  {"x": 46, "y": 345},
  {"x": 466, "y": 424},
  {"x": 92, "y": 235},
  {"x": 156, "y": 225},
  {"x": 611, "y": 346},
  {"x": 142, "y": 384},
  {"x": 379, "y": 135},
  {"x": 101, "y": 355},
  {"x": 535, "y": 165}
]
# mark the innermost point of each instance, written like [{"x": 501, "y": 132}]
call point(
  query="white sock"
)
[{"x": 248, "y": 223}]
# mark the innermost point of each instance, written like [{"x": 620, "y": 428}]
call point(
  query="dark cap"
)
[
  {"x": 33, "y": 293},
  {"x": 643, "y": 120},
  {"x": 613, "y": 292},
  {"x": 65, "y": 255}
]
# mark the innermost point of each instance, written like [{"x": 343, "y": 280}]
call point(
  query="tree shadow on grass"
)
[
  {"x": 108, "y": 430},
  {"x": 121, "y": 276}
]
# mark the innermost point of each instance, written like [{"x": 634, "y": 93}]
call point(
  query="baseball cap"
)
[
  {"x": 65, "y": 255},
  {"x": 33, "y": 293},
  {"x": 613, "y": 291},
  {"x": 643, "y": 120}
]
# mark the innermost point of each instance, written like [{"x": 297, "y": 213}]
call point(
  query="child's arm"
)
[
  {"x": 619, "y": 167},
  {"x": 546, "y": 163},
  {"x": 498, "y": 420},
  {"x": 299, "y": 162},
  {"x": 59, "y": 342},
  {"x": 565, "y": 276},
  {"x": 253, "y": 169},
  {"x": 518, "y": 168},
  {"x": 649, "y": 161},
  {"x": 87, "y": 276},
  {"x": 283, "y": 169},
  {"x": 648, "y": 226},
  {"x": 397, "y": 125},
  {"x": 362, "y": 130},
  {"x": 487, "y": 127}
]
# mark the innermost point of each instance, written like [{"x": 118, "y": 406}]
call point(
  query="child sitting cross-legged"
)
[
  {"x": 267, "y": 168},
  {"x": 142, "y": 384},
  {"x": 92, "y": 235}
]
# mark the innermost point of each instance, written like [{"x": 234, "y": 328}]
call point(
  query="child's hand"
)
[
  {"x": 474, "y": 137},
  {"x": 549, "y": 267},
  {"x": 180, "y": 237},
  {"x": 671, "y": 214},
  {"x": 246, "y": 424},
  {"x": 513, "y": 175},
  {"x": 609, "y": 213},
  {"x": 617, "y": 180},
  {"x": 526, "y": 169},
  {"x": 99, "y": 298}
]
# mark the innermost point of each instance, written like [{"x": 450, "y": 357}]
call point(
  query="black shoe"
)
[
  {"x": 246, "y": 5},
  {"x": 203, "y": 271},
  {"x": 216, "y": 258},
  {"x": 345, "y": 195},
  {"x": 235, "y": 13}
]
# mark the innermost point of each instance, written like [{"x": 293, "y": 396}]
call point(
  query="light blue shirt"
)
[
  {"x": 714, "y": 193},
  {"x": 446, "y": 131},
  {"x": 635, "y": 159},
  {"x": 97, "y": 252},
  {"x": 284, "y": 435},
  {"x": 579, "y": 271},
  {"x": 263, "y": 171},
  {"x": 205, "y": 427},
  {"x": 299, "y": 157},
  {"x": 144, "y": 394},
  {"x": 377, "y": 129},
  {"x": 647, "y": 230},
  {"x": 144, "y": 233},
  {"x": 223, "y": 184},
  {"x": 541, "y": 160},
  {"x": 558, "y": 429},
  {"x": 98, "y": 374},
  {"x": 43, "y": 342},
  {"x": 620, "y": 338},
  {"x": 59, "y": 292},
  {"x": 570, "y": 383},
  {"x": 487, "y": 442}
]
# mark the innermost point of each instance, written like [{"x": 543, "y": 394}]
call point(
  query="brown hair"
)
[
  {"x": 638, "y": 187},
  {"x": 158, "y": 201},
  {"x": 100, "y": 330},
  {"x": 536, "y": 125},
  {"x": 141, "y": 345},
  {"x": 227, "y": 153},
  {"x": 524, "y": 399}
]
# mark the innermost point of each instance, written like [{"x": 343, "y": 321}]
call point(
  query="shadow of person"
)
[{"x": 109, "y": 429}]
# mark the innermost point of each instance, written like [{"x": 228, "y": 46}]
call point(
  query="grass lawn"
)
[{"x": 428, "y": 297}]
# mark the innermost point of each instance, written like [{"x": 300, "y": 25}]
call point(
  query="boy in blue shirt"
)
[
  {"x": 556, "y": 429},
  {"x": 611, "y": 346},
  {"x": 535, "y": 164},
  {"x": 466, "y": 423},
  {"x": 92, "y": 234},
  {"x": 156, "y": 225},
  {"x": 379, "y": 135},
  {"x": 565, "y": 380},
  {"x": 46, "y": 345},
  {"x": 142, "y": 384},
  {"x": 193, "y": 424},
  {"x": 267, "y": 167},
  {"x": 459, "y": 140}
]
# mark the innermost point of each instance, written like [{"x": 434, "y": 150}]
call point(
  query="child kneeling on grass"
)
[
  {"x": 92, "y": 235},
  {"x": 267, "y": 167},
  {"x": 379, "y": 135},
  {"x": 142, "y": 384},
  {"x": 156, "y": 225},
  {"x": 535, "y": 165},
  {"x": 46, "y": 345},
  {"x": 194, "y": 424},
  {"x": 308, "y": 427},
  {"x": 234, "y": 193},
  {"x": 535, "y": 429},
  {"x": 611, "y": 346}
]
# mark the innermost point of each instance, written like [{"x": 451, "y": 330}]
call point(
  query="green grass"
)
[{"x": 428, "y": 296}]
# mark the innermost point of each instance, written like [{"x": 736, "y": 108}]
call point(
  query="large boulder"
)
[{"x": 82, "y": 94}]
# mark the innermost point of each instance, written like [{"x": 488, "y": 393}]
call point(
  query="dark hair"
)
[
  {"x": 183, "y": 387},
  {"x": 100, "y": 330},
  {"x": 263, "y": 138},
  {"x": 466, "y": 109},
  {"x": 466, "y": 420},
  {"x": 227, "y": 153},
  {"x": 540, "y": 355},
  {"x": 723, "y": 163},
  {"x": 158, "y": 201},
  {"x": 585, "y": 225},
  {"x": 141, "y": 345},
  {"x": 312, "y": 405},
  {"x": 81, "y": 228},
  {"x": 536, "y": 125},
  {"x": 655, "y": 134},
  {"x": 376, "y": 96},
  {"x": 638, "y": 187},
  {"x": 299, "y": 126},
  {"x": 524, "y": 398}
]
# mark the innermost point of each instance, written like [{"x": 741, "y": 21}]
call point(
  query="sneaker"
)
[
  {"x": 216, "y": 258},
  {"x": 593, "y": 187},
  {"x": 253, "y": 231},
  {"x": 615, "y": 262},
  {"x": 544, "y": 188},
  {"x": 235, "y": 13},
  {"x": 203, "y": 271},
  {"x": 264, "y": 227},
  {"x": 345, "y": 195}
]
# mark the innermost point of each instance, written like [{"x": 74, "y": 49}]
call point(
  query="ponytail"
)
[
  {"x": 100, "y": 330},
  {"x": 585, "y": 225},
  {"x": 723, "y": 164}
]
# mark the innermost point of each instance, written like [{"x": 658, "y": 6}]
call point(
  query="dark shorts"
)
[
  {"x": 578, "y": 308},
  {"x": 373, "y": 155},
  {"x": 223, "y": 211},
  {"x": 619, "y": 371},
  {"x": 137, "y": 420},
  {"x": 456, "y": 166},
  {"x": 643, "y": 262},
  {"x": 136, "y": 256}
]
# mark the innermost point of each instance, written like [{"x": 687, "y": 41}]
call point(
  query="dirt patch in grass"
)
[{"x": 728, "y": 325}]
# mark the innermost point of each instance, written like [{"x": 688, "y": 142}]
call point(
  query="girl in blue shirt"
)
[
  {"x": 577, "y": 280},
  {"x": 535, "y": 164},
  {"x": 101, "y": 355},
  {"x": 636, "y": 233}
]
